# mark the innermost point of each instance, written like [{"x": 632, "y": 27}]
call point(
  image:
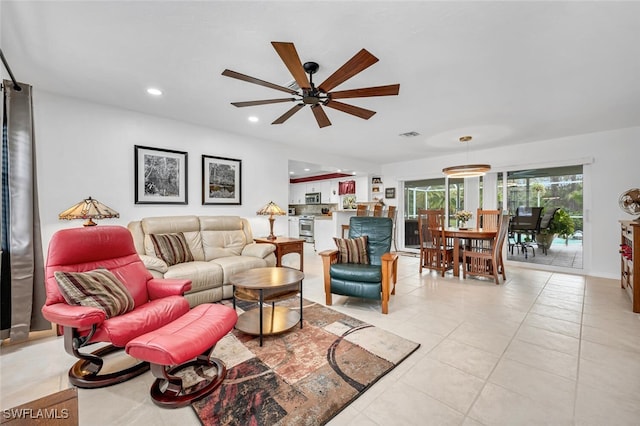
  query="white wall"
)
[
  {"x": 86, "y": 149},
  {"x": 614, "y": 169}
]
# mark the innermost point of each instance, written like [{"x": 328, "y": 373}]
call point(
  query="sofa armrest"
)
[
  {"x": 154, "y": 263},
  {"x": 73, "y": 316},
  {"x": 258, "y": 250},
  {"x": 159, "y": 288}
]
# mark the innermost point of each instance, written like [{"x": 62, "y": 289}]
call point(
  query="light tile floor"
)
[{"x": 541, "y": 349}]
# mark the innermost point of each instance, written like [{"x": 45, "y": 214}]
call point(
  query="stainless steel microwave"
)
[{"x": 312, "y": 198}]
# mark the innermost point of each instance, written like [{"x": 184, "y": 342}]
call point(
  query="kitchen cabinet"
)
[
  {"x": 294, "y": 230},
  {"x": 325, "y": 191},
  {"x": 296, "y": 193},
  {"x": 314, "y": 186}
]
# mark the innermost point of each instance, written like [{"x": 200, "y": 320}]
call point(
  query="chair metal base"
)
[
  {"x": 167, "y": 390},
  {"x": 85, "y": 372}
]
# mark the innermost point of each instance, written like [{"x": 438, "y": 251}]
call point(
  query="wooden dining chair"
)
[
  {"x": 488, "y": 219},
  {"x": 435, "y": 253},
  {"x": 487, "y": 263},
  {"x": 377, "y": 210},
  {"x": 391, "y": 212}
]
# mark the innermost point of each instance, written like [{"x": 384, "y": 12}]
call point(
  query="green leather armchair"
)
[{"x": 372, "y": 281}]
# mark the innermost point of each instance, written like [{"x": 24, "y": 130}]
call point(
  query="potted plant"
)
[{"x": 561, "y": 225}]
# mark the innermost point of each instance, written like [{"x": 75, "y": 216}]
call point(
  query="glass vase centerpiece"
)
[{"x": 462, "y": 216}]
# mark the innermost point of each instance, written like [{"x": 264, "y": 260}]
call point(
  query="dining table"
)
[{"x": 466, "y": 234}]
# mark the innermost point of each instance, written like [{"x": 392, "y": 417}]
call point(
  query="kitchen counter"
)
[{"x": 327, "y": 227}]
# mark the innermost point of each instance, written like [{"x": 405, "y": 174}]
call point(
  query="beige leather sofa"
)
[{"x": 220, "y": 245}]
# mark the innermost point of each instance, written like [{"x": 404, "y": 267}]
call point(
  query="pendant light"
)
[{"x": 467, "y": 170}]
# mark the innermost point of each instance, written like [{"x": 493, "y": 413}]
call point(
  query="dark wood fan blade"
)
[
  {"x": 390, "y": 90},
  {"x": 289, "y": 56},
  {"x": 350, "y": 109},
  {"x": 264, "y": 102},
  {"x": 284, "y": 117},
  {"x": 360, "y": 61},
  {"x": 239, "y": 76},
  {"x": 321, "y": 116}
]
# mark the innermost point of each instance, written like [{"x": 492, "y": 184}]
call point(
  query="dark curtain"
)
[
  {"x": 22, "y": 291},
  {"x": 347, "y": 187}
]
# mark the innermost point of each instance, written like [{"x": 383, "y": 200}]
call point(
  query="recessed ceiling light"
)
[
  {"x": 339, "y": 170},
  {"x": 153, "y": 91},
  {"x": 353, "y": 173},
  {"x": 291, "y": 173},
  {"x": 306, "y": 170},
  {"x": 253, "y": 119}
]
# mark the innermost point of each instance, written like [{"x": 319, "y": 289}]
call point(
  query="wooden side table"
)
[
  {"x": 285, "y": 245},
  {"x": 267, "y": 285}
]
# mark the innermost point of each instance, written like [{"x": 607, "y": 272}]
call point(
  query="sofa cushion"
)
[
  {"x": 234, "y": 264},
  {"x": 203, "y": 275},
  {"x": 352, "y": 250},
  {"x": 98, "y": 289},
  {"x": 258, "y": 250},
  {"x": 172, "y": 248},
  {"x": 224, "y": 236},
  {"x": 356, "y": 272},
  {"x": 188, "y": 225}
]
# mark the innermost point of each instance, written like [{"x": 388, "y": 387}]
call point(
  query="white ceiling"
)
[{"x": 503, "y": 72}]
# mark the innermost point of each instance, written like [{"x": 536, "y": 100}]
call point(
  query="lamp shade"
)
[
  {"x": 88, "y": 209},
  {"x": 271, "y": 209}
]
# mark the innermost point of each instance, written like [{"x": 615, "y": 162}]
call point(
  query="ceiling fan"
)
[{"x": 316, "y": 97}]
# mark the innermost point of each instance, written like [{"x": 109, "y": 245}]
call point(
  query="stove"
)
[{"x": 305, "y": 228}]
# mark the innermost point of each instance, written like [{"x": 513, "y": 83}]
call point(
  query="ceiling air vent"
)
[
  {"x": 293, "y": 85},
  {"x": 409, "y": 134}
]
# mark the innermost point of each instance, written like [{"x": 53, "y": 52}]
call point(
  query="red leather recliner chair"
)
[{"x": 156, "y": 301}]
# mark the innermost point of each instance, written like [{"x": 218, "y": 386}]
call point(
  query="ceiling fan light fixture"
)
[
  {"x": 466, "y": 170},
  {"x": 305, "y": 92}
]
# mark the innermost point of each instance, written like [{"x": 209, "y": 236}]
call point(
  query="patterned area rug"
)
[{"x": 301, "y": 377}]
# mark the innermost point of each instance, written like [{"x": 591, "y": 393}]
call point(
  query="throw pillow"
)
[
  {"x": 98, "y": 288},
  {"x": 172, "y": 248},
  {"x": 352, "y": 250}
]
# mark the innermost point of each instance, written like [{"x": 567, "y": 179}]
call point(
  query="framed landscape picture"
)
[
  {"x": 161, "y": 176},
  {"x": 221, "y": 182}
]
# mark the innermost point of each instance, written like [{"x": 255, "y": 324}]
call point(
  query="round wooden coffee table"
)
[{"x": 267, "y": 285}]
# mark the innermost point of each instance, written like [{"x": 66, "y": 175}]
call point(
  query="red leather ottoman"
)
[{"x": 193, "y": 335}]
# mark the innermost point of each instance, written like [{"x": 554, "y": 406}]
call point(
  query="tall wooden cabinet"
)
[{"x": 630, "y": 261}]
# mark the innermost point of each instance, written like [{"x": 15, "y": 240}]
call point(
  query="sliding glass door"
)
[
  {"x": 420, "y": 194},
  {"x": 558, "y": 189}
]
